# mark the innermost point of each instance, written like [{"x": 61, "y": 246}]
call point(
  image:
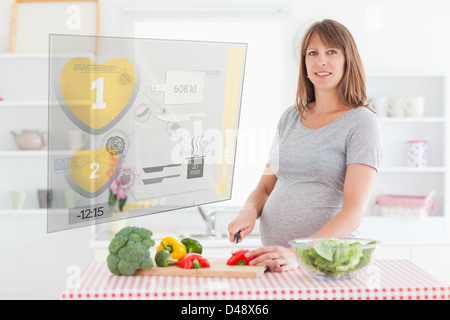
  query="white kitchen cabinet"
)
[
  {"x": 24, "y": 90},
  {"x": 395, "y": 177}
]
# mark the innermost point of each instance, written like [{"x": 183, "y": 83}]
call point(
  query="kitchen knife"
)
[{"x": 236, "y": 240}]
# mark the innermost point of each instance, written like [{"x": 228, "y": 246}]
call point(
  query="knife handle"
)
[{"x": 236, "y": 236}]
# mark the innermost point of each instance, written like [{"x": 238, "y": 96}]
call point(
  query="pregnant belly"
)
[{"x": 289, "y": 215}]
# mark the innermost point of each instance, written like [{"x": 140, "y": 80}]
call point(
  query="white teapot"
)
[{"x": 29, "y": 139}]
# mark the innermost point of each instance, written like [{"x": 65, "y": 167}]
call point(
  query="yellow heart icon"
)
[
  {"x": 96, "y": 96},
  {"x": 92, "y": 170}
]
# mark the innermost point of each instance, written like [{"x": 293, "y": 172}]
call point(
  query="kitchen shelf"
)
[
  {"x": 397, "y": 178},
  {"x": 24, "y": 153},
  {"x": 13, "y": 55},
  {"x": 33, "y": 211},
  {"x": 412, "y": 120},
  {"x": 411, "y": 74},
  {"x": 23, "y": 103},
  {"x": 33, "y": 153},
  {"x": 22, "y": 211},
  {"x": 401, "y": 169}
]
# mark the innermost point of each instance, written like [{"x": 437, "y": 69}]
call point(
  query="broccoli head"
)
[
  {"x": 129, "y": 251},
  {"x": 163, "y": 258}
]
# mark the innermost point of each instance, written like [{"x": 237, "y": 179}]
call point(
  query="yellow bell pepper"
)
[{"x": 175, "y": 247}]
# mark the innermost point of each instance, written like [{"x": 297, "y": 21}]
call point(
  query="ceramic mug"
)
[
  {"x": 45, "y": 198},
  {"x": 396, "y": 107},
  {"x": 18, "y": 198},
  {"x": 417, "y": 153},
  {"x": 415, "y": 106},
  {"x": 76, "y": 139},
  {"x": 70, "y": 198}
]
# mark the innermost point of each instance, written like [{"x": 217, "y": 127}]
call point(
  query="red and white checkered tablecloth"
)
[{"x": 383, "y": 280}]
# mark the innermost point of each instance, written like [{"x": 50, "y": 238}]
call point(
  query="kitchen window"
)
[{"x": 261, "y": 99}]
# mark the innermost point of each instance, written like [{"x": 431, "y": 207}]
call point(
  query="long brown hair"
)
[{"x": 352, "y": 87}]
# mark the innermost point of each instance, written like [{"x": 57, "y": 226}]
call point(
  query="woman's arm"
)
[
  {"x": 359, "y": 179},
  {"x": 245, "y": 221}
]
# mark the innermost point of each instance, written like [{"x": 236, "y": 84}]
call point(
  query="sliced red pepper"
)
[
  {"x": 239, "y": 258},
  {"x": 193, "y": 261}
]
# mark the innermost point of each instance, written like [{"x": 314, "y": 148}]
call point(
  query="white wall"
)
[{"x": 392, "y": 35}]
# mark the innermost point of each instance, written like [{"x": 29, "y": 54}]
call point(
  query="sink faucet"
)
[{"x": 209, "y": 216}]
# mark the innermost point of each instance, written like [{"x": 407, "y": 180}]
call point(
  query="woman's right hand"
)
[{"x": 244, "y": 222}]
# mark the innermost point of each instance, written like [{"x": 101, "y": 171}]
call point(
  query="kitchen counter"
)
[
  {"x": 102, "y": 239},
  {"x": 390, "y": 279}
]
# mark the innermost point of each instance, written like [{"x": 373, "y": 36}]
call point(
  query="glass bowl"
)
[{"x": 334, "y": 258}]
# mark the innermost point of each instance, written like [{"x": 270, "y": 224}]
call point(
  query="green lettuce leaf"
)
[{"x": 335, "y": 257}]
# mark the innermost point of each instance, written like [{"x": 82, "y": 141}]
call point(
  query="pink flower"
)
[
  {"x": 121, "y": 193},
  {"x": 113, "y": 187}
]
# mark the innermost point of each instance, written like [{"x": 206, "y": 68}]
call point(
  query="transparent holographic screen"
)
[{"x": 154, "y": 121}]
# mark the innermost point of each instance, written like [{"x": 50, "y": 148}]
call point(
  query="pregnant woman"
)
[{"x": 325, "y": 157}]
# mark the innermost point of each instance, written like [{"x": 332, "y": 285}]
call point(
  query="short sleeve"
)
[
  {"x": 365, "y": 143},
  {"x": 274, "y": 155}
]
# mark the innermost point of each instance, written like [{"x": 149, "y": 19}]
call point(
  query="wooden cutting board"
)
[{"x": 218, "y": 268}]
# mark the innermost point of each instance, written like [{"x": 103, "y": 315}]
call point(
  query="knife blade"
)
[{"x": 236, "y": 240}]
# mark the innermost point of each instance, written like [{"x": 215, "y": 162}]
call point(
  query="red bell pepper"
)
[
  {"x": 192, "y": 261},
  {"x": 239, "y": 258}
]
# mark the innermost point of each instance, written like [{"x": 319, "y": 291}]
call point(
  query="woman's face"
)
[{"x": 324, "y": 66}]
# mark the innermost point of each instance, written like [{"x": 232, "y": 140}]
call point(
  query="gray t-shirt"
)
[{"x": 310, "y": 165}]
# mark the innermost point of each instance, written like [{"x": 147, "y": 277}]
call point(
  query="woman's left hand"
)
[{"x": 278, "y": 258}]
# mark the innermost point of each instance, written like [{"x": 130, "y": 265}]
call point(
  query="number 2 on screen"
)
[{"x": 94, "y": 174}]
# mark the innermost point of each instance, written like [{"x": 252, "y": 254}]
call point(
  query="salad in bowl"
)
[{"x": 334, "y": 258}]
